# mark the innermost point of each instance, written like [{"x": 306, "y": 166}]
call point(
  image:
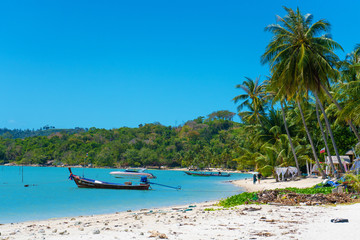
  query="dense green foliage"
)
[
  {"x": 249, "y": 198},
  {"x": 212, "y": 142},
  {"x": 305, "y": 73},
  {"x": 239, "y": 199},
  {"x": 200, "y": 143}
]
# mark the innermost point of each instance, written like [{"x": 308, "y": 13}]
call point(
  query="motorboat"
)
[{"x": 132, "y": 173}]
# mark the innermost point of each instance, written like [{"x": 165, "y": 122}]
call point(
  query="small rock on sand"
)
[{"x": 157, "y": 234}]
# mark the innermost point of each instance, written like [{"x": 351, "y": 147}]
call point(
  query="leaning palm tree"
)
[
  {"x": 325, "y": 141},
  {"x": 310, "y": 140},
  {"x": 290, "y": 140},
  {"x": 318, "y": 102},
  {"x": 275, "y": 98},
  {"x": 350, "y": 72},
  {"x": 300, "y": 60}
]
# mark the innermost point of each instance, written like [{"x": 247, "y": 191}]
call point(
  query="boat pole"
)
[
  {"x": 84, "y": 163},
  {"x": 177, "y": 188},
  {"x": 145, "y": 180}
]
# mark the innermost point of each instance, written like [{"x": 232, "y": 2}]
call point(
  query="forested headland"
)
[{"x": 202, "y": 142}]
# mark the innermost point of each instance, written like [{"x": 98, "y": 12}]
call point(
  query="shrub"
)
[{"x": 239, "y": 199}]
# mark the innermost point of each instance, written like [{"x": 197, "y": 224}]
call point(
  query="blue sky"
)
[{"x": 109, "y": 64}]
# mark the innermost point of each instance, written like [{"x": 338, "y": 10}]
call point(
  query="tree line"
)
[
  {"x": 43, "y": 131},
  {"x": 202, "y": 142}
]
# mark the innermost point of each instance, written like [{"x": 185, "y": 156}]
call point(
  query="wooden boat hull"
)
[
  {"x": 91, "y": 183},
  {"x": 208, "y": 174}
]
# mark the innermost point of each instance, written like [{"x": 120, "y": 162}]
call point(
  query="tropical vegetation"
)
[{"x": 253, "y": 197}]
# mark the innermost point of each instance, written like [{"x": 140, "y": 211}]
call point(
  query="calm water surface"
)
[{"x": 50, "y": 194}]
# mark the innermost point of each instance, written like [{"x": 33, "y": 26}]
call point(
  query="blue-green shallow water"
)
[{"x": 52, "y": 195}]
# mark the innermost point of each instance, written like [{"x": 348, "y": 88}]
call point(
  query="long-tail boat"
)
[
  {"x": 82, "y": 182},
  {"x": 208, "y": 174}
]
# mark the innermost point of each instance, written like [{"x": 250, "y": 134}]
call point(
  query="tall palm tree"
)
[
  {"x": 253, "y": 99},
  {"x": 330, "y": 132},
  {"x": 298, "y": 56},
  {"x": 273, "y": 93},
  {"x": 311, "y": 141},
  {"x": 350, "y": 71},
  {"x": 300, "y": 59}
]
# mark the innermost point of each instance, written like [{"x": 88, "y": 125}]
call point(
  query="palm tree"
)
[
  {"x": 350, "y": 71},
  {"x": 350, "y": 92},
  {"x": 330, "y": 132},
  {"x": 252, "y": 115},
  {"x": 349, "y": 89},
  {"x": 311, "y": 141},
  {"x": 289, "y": 137},
  {"x": 325, "y": 140},
  {"x": 300, "y": 60},
  {"x": 271, "y": 128},
  {"x": 277, "y": 97},
  {"x": 253, "y": 99}
]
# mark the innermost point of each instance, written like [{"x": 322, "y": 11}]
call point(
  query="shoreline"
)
[
  {"x": 120, "y": 168},
  {"x": 270, "y": 183},
  {"x": 197, "y": 222},
  {"x": 201, "y": 221}
]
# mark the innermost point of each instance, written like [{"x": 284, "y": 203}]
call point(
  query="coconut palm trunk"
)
[
  {"x": 325, "y": 141},
  {"x": 310, "y": 140},
  {"x": 290, "y": 141},
  {"x": 330, "y": 132},
  {"x": 353, "y": 128}
]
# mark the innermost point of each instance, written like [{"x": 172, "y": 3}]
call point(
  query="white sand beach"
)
[
  {"x": 270, "y": 183},
  {"x": 196, "y": 222}
]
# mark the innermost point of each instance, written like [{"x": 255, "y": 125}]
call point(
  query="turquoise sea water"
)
[{"x": 50, "y": 194}]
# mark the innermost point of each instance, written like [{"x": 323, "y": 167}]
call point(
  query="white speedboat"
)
[{"x": 132, "y": 173}]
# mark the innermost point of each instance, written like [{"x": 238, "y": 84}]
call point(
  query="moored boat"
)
[
  {"x": 208, "y": 174},
  {"x": 132, "y": 173},
  {"x": 92, "y": 183}
]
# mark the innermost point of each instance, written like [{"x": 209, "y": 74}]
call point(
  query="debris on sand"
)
[{"x": 286, "y": 197}]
